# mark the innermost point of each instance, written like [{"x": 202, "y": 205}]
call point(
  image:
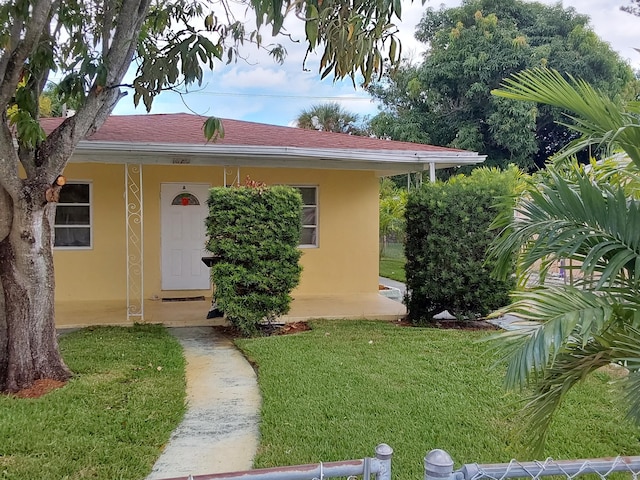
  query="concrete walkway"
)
[
  {"x": 393, "y": 283},
  {"x": 511, "y": 322},
  {"x": 219, "y": 432}
]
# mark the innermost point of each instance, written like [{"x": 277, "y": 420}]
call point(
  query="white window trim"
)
[
  {"x": 90, "y": 225},
  {"x": 317, "y": 225}
]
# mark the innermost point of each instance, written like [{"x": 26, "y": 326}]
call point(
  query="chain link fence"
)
[
  {"x": 439, "y": 466},
  {"x": 369, "y": 468}
]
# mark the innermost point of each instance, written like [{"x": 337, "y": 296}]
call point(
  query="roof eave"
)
[{"x": 400, "y": 161}]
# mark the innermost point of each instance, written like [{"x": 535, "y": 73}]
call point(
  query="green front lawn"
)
[
  {"x": 393, "y": 268},
  {"x": 392, "y": 262},
  {"x": 112, "y": 418},
  {"x": 337, "y": 391}
]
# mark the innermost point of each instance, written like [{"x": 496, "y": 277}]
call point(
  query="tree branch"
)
[
  {"x": 125, "y": 39},
  {"x": 101, "y": 99},
  {"x": 16, "y": 58},
  {"x": 9, "y": 179},
  {"x": 43, "y": 78},
  {"x": 53, "y": 154},
  {"x": 106, "y": 26},
  {"x": 6, "y": 214},
  {"x": 16, "y": 30},
  {"x": 27, "y": 159}
]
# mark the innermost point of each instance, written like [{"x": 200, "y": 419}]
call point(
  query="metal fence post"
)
[
  {"x": 383, "y": 454},
  {"x": 438, "y": 465}
]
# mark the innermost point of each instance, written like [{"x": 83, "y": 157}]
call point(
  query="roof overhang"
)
[{"x": 383, "y": 162}]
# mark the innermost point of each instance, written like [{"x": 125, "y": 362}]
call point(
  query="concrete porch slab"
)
[
  {"x": 193, "y": 313},
  {"x": 371, "y": 306}
]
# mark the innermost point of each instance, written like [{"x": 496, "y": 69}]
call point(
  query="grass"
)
[
  {"x": 112, "y": 418},
  {"x": 393, "y": 269},
  {"x": 392, "y": 262},
  {"x": 335, "y": 392}
]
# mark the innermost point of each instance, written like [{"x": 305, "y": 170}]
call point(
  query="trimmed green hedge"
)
[
  {"x": 447, "y": 240},
  {"x": 254, "y": 232}
]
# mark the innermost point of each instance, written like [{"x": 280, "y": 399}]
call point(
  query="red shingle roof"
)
[{"x": 183, "y": 128}]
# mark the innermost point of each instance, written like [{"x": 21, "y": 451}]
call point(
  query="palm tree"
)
[
  {"x": 328, "y": 117},
  {"x": 591, "y": 216},
  {"x": 393, "y": 201}
]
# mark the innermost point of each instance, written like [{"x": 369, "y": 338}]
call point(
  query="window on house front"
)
[
  {"x": 185, "y": 199},
  {"x": 309, "y": 236},
  {"x": 73, "y": 216}
]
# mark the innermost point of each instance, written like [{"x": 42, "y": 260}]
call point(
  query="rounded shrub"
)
[
  {"x": 253, "y": 233},
  {"x": 448, "y": 235}
]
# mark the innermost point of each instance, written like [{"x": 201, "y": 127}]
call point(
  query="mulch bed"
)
[
  {"x": 470, "y": 325},
  {"x": 266, "y": 329},
  {"x": 39, "y": 388},
  {"x": 291, "y": 328}
]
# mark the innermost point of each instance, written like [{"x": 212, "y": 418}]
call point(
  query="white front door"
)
[{"x": 183, "y": 211}]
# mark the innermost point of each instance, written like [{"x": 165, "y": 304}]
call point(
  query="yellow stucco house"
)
[{"x": 130, "y": 222}]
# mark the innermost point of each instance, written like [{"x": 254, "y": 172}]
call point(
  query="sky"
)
[{"x": 260, "y": 90}]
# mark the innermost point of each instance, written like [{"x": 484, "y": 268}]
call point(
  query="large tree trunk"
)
[
  {"x": 3, "y": 338},
  {"x": 28, "y": 345},
  {"x": 29, "y": 349},
  {"x": 5, "y": 228}
]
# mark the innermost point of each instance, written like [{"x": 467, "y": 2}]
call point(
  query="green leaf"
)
[
  {"x": 29, "y": 131},
  {"x": 209, "y": 22},
  {"x": 397, "y": 8},
  {"x": 213, "y": 129},
  {"x": 311, "y": 25},
  {"x": 392, "y": 50}
]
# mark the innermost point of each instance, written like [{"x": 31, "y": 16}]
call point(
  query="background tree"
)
[
  {"x": 91, "y": 44},
  {"x": 46, "y": 105},
  {"x": 590, "y": 216},
  {"x": 446, "y": 99},
  {"x": 328, "y": 117},
  {"x": 633, "y": 8},
  {"x": 57, "y": 105},
  {"x": 393, "y": 200}
]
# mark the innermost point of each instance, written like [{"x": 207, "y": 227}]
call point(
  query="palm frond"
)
[
  {"x": 619, "y": 344},
  {"x": 595, "y": 224},
  {"x": 570, "y": 367},
  {"x": 624, "y": 343},
  {"x": 616, "y": 170},
  {"x": 632, "y": 393},
  {"x": 599, "y": 120},
  {"x": 564, "y": 312}
]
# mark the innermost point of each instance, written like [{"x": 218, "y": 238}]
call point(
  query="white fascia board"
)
[{"x": 212, "y": 154}]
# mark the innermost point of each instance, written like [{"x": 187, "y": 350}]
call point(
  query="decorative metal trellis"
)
[
  {"x": 231, "y": 177},
  {"x": 135, "y": 242}
]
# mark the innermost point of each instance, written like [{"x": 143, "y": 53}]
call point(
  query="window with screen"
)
[
  {"x": 309, "y": 236},
  {"x": 73, "y": 216}
]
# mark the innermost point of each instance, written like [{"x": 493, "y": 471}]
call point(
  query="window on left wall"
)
[{"x": 73, "y": 217}]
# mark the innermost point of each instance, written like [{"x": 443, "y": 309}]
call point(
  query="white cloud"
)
[{"x": 252, "y": 77}]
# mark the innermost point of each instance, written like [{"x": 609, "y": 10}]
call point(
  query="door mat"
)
[{"x": 184, "y": 299}]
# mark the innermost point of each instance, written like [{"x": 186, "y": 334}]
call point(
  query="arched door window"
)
[{"x": 185, "y": 199}]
